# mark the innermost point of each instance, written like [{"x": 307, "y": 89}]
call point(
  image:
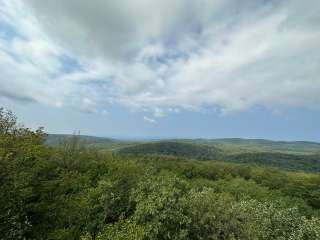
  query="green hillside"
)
[
  {"x": 89, "y": 141},
  {"x": 230, "y": 145},
  {"x": 293, "y": 156},
  {"x": 195, "y": 150},
  {"x": 309, "y": 163},
  {"x": 259, "y": 145},
  {"x": 172, "y": 148},
  {"x": 294, "y": 147}
]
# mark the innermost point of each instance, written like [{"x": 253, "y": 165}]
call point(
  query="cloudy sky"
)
[{"x": 169, "y": 68}]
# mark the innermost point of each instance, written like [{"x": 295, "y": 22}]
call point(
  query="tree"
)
[{"x": 21, "y": 154}]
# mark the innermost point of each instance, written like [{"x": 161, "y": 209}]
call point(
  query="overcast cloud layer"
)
[{"x": 161, "y": 56}]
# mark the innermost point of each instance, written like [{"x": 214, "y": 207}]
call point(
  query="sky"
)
[{"x": 163, "y": 69}]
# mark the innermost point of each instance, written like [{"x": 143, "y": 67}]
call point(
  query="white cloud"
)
[
  {"x": 158, "y": 112},
  {"x": 161, "y": 56},
  {"x": 149, "y": 120}
]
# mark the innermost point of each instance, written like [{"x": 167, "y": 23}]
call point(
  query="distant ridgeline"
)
[{"x": 293, "y": 156}]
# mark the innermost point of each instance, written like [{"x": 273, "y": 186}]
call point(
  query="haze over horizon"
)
[{"x": 163, "y": 69}]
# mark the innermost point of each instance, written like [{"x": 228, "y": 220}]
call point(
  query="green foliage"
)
[
  {"x": 71, "y": 191},
  {"x": 21, "y": 152},
  {"x": 173, "y": 148},
  {"x": 262, "y": 145},
  {"x": 212, "y": 216},
  {"x": 158, "y": 207},
  {"x": 310, "y": 163},
  {"x": 110, "y": 201},
  {"x": 122, "y": 230},
  {"x": 193, "y": 150},
  {"x": 55, "y": 140}
]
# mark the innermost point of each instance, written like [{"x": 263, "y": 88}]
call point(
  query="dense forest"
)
[
  {"x": 74, "y": 191},
  {"x": 286, "y": 161}
]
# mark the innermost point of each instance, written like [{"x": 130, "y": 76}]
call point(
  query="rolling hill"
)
[
  {"x": 286, "y": 161},
  {"x": 90, "y": 141},
  {"x": 172, "y": 148},
  {"x": 260, "y": 145},
  {"x": 293, "y": 156}
]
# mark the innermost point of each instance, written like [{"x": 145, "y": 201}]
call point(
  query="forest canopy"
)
[{"x": 72, "y": 191}]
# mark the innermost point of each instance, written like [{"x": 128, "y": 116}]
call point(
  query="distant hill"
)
[
  {"x": 295, "y": 147},
  {"x": 295, "y": 156},
  {"x": 172, "y": 148},
  {"x": 198, "y": 151},
  {"x": 234, "y": 145},
  {"x": 90, "y": 141},
  {"x": 291, "y": 162},
  {"x": 259, "y": 145}
]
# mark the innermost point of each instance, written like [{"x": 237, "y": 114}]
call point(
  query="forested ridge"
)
[
  {"x": 231, "y": 145},
  {"x": 286, "y": 161},
  {"x": 74, "y": 191}
]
